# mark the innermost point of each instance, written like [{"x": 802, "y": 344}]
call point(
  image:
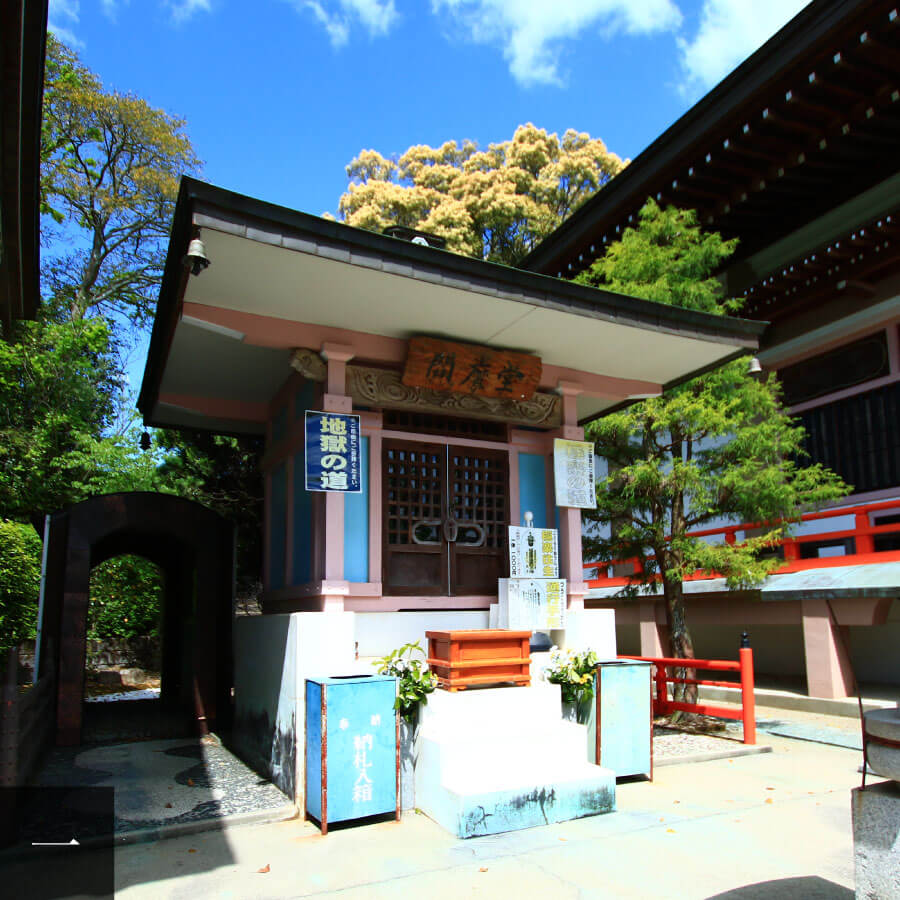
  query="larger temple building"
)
[{"x": 797, "y": 155}]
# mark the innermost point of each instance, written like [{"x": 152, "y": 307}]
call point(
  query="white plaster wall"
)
[
  {"x": 378, "y": 633},
  {"x": 274, "y": 654}
]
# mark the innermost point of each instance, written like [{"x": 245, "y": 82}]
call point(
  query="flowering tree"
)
[{"x": 496, "y": 204}]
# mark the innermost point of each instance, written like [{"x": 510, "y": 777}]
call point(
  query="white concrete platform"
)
[{"x": 500, "y": 759}]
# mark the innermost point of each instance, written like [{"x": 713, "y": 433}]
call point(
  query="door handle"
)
[
  {"x": 451, "y": 530},
  {"x": 428, "y": 523}
]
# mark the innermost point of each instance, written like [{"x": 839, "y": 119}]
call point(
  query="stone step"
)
[
  {"x": 493, "y": 752},
  {"x": 478, "y": 807},
  {"x": 493, "y": 707}
]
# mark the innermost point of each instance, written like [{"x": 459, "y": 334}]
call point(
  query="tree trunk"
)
[{"x": 679, "y": 639}]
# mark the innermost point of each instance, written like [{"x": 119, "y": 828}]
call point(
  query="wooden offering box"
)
[{"x": 460, "y": 659}]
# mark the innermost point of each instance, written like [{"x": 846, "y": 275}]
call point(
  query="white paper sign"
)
[
  {"x": 573, "y": 473},
  {"x": 533, "y": 552},
  {"x": 537, "y": 604}
]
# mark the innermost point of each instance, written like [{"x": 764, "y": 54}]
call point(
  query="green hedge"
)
[{"x": 20, "y": 582}]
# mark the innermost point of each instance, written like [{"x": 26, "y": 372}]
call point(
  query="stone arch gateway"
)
[{"x": 194, "y": 548}]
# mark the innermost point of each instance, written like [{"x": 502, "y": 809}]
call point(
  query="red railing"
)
[
  {"x": 863, "y": 535},
  {"x": 663, "y": 706}
]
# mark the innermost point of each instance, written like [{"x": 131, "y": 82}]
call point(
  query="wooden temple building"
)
[
  {"x": 797, "y": 154},
  {"x": 295, "y": 313}
]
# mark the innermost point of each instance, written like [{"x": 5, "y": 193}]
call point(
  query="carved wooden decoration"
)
[
  {"x": 384, "y": 389},
  {"x": 309, "y": 364},
  {"x": 470, "y": 369}
]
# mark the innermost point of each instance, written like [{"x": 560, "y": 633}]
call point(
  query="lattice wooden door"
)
[
  {"x": 414, "y": 480},
  {"x": 478, "y": 498},
  {"x": 445, "y": 515}
]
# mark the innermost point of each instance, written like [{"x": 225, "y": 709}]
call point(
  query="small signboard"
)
[
  {"x": 471, "y": 369},
  {"x": 538, "y": 604},
  {"x": 533, "y": 552},
  {"x": 573, "y": 473},
  {"x": 333, "y": 457}
]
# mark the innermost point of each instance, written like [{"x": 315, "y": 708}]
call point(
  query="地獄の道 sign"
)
[
  {"x": 533, "y": 552},
  {"x": 573, "y": 473},
  {"x": 333, "y": 456}
]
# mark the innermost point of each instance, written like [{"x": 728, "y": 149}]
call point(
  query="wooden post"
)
[
  {"x": 9, "y": 721},
  {"x": 865, "y": 543},
  {"x": 748, "y": 700}
]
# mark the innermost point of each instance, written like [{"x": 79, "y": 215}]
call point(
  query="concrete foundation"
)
[
  {"x": 502, "y": 759},
  {"x": 876, "y": 841},
  {"x": 273, "y": 655}
]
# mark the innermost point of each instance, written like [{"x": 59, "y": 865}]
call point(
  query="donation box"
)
[
  {"x": 620, "y": 727},
  {"x": 352, "y": 748}
]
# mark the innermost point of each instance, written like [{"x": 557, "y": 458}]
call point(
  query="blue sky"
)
[{"x": 279, "y": 95}]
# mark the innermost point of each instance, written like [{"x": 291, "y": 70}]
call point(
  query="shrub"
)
[{"x": 20, "y": 582}]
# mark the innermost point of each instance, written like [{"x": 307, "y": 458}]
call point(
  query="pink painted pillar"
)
[
  {"x": 570, "y": 551},
  {"x": 334, "y": 586},
  {"x": 827, "y": 665},
  {"x": 654, "y": 641}
]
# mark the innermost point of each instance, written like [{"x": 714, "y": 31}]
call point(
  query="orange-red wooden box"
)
[{"x": 461, "y": 659}]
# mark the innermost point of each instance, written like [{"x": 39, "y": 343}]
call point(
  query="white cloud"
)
[
  {"x": 62, "y": 17},
  {"x": 182, "y": 10},
  {"x": 730, "y": 30},
  {"x": 531, "y": 32},
  {"x": 337, "y": 17},
  {"x": 111, "y": 8}
]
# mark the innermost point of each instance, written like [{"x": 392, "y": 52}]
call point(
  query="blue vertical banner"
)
[{"x": 333, "y": 453}]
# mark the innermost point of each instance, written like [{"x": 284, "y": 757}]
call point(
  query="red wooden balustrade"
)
[
  {"x": 663, "y": 706},
  {"x": 863, "y": 535}
]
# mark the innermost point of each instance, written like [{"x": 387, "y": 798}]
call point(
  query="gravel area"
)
[
  {"x": 142, "y": 694},
  {"x": 157, "y": 783},
  {"x": 670, "y": 743}
]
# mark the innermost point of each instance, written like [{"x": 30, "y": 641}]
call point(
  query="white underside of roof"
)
[{"x": 368, "y": 295}]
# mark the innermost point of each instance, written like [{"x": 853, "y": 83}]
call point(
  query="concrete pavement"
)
[{"x": 775, "y": 825}]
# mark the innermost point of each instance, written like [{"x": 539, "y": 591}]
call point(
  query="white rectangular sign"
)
[
  {"x": 538, "y": 604},
  {"x": 533, "y": 552},
  {"x": 573, "y": 473}
]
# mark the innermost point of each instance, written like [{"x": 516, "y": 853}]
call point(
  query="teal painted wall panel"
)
[
  {"x": 356, "y": 525},
  {"x": 533, "y": 488},
  {"x": 301, "y": 552},
  {"x": 277, "y": 526}
]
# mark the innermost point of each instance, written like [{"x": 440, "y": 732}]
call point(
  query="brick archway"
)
[{"x": 194, "y": 548}]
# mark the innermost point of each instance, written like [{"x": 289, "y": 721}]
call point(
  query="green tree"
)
[
  {"x": 125, "y": 597},
  {"x": 110, "y": 165},
  {"x": 20, "y": 579},
  {"x": 223, "y": 473},
  {"x": 720, "y": 445},
  {"x": 55, "y": 401},
  {"x": 496, "y": 204}
]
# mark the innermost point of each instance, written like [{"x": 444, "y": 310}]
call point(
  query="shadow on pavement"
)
[{"x": 806, "y": 887}]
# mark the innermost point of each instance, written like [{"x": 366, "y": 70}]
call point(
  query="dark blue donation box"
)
[{"x": 352, "y": 748}]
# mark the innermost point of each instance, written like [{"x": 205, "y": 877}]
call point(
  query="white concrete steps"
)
[{"x": 500, "y": 759}]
